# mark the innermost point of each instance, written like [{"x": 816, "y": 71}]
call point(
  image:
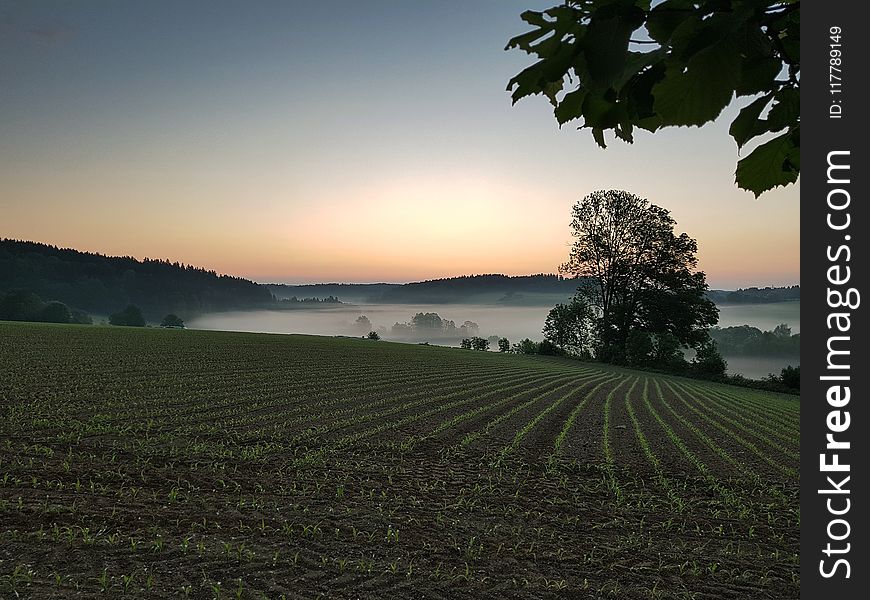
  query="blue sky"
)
[{"x": 342, "y": 141}]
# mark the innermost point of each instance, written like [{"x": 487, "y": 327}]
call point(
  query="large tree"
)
[
  {"x": 622, "y": 64},
  {"x": 639, "y": 276}
]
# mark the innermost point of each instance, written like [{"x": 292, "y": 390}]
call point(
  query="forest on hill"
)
[{"x": 101, "y": 285}]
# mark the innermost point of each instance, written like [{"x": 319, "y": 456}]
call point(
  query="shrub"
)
[
  {"x": 54, "y": 312},
  {"x": 130, "y": 316}
]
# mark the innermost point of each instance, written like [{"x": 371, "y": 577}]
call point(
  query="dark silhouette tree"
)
[
  {"x": 479, "y": 343},
  {"x": 637, "y": 274},
  {"x": 130, "y": 317},
  {"x": 373, "y": 335},
  {"x": 54, "y": 312},
  {"x": 427, "y": 323},
  {"x": 172, "y": 320},
  {"x": 465, "y": 344},
  {"x": 504, "y": 345},
  {"x": 708, "y": 362},
  {"x": 628, "y": 64}
]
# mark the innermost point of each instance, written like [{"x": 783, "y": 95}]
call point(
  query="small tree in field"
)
[
  {"x": 55, "y": 312},
  {"x": 465, "y": 344},
  {"x": 479, "y": 343},
  {"x": 130, "y": 316},
  {"x": 373, "y": 335},
  {"x": 172, "y": 320},
  {"x": 504, "y": 345}
]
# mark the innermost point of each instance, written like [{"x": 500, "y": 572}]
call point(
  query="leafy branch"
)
[{"x": 698, "y": 57}]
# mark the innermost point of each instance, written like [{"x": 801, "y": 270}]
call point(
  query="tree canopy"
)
[
  {"x": 131, "y": 316},
  {"x": 100, "y": 284},
  {"x": 639, "y": 277},
  {"x": 625, "y": 64},
  {"x": 172, "y": 320}
]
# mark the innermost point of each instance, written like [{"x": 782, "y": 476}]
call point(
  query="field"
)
[{"x": 159, "y": 463}]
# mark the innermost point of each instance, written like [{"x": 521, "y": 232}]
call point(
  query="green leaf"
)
[
  {"x": 552, "y": 89},
  {"x": 624, "y": 131},
  {"x": 699, "y": 94},
  {"x": 571, "y": 106},
  {"x": 598, "y": 134},
  {"x": 527, "y": 82},
  {"x": 664, "y": 18},
  {"x": 543, "y": 76},
  {"x": 637, "y": 93},
  {"x": 533, "y": 17},
  {"x": 786, "y": 109},
  {"x": 746, "y": 126},
  {"x": 758, "y": 76},
  {"x": 599, "y": 112},
  {"x": 548, "y": 47},
  {"x": 606, "y": 43},
  {"x": 695, "y": 35},
  {"x": 525, "y": 40},
  {"x": 768, "y": 166},
  {"x": 635, "y": 63}
]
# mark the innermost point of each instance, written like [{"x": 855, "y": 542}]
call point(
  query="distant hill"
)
[
  {"x": 346, "y": 292},
  {"x": 541, "y": 289},
  {"x": 535, "y": 290},
  {"x": 754, "y": 295},
  {"x": 101, "y": 285}
]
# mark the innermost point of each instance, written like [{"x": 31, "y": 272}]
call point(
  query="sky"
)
[{"x": 341, "y": 141}]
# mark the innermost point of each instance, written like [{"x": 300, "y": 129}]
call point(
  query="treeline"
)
[
  {"x": 431, "y": 326},
  {"x": 458, "y": 289},
  {"x": 99, "y": 284},
  {"x": 745, "y": 340},
  {"x": 293, "y": 300},
  {"x": 754, "y": 295},
  {"x": 466, "y": 288}
]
